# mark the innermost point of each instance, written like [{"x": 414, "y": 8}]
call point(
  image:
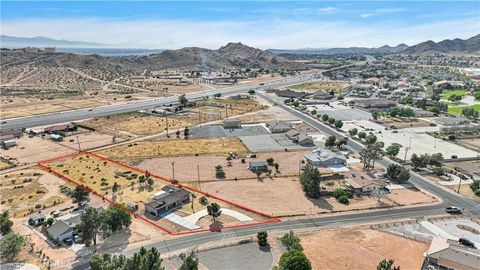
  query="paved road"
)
[
  {"x": 75, "y": 115},
  {"x": 366, "y": 217}
]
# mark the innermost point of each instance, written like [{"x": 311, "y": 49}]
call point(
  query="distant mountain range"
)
[
  {"x": 470, "y": 45},
  {"x": 351, "y": 50},
  {"x": 20, "y": 42},
  {"x": 446, "y": 46}
]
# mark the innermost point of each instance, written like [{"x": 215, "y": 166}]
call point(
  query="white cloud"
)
[
  {"x": 327, "y": 10},
  {"x": 273, "y": 33},
  {"x": 366, "y": 15}
]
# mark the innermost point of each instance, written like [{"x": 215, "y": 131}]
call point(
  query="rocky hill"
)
[
  {"x": 230, "y": 56},
  {"x": 345, "y": 51},
  {"x": 470, "y": 45}
]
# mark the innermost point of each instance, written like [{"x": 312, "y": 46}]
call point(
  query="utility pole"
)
[
  {"x": 166, "y": 120},
  {"x": 459, "y": 184},
  {"x": 198, "y": 177},
  {"x": 78, "y": 142},
  {"x": 173, "y": 170},
  {"x": 226, "y": 111}
]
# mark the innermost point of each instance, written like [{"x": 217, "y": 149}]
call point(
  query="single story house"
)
[
  {"x": 373, "y": 80},
  {"x": 168, "y": 198},
  {"x": 64, "y": 227},
  {"x": 278, "y": 126},
  {"x": 375, "y": 104},
  {"x": 240, "y": 96},
  {"x": 287, "y": 93},
  {"x": 232, "y": 122},
  {"x": 299, "y": 137},
  {"x": 365, "y": 185},
  {"x": 422, "y": 113},
  {"x": 258, "y": 165},
  {"x": 36, "y": 219},
  {"x": 325, "y": 157},
  {"x": 449, "y": 254}
]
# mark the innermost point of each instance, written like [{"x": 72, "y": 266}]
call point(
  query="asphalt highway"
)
[{"x": 79, "y": 114}]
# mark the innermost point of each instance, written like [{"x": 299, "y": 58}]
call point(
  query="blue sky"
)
[{"x": 272, "y": 24}]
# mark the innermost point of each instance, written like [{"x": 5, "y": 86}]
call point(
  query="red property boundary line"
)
[{"x": 43, "y": 165}]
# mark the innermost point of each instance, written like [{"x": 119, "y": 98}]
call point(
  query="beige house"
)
[
  {"x": 448, "y": 254},
  {"x": 231, "y": 122}
]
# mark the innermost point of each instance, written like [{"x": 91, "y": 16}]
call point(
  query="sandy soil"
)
[
  {"x": 271, "y": 113},
  {"x": 403, "y": 123},
  {"x": 175, "y": 147},
  {"x": 470, "y": 143},
  {"x": 360, "y": 249},
  {"x": 466, "y": 191},
  {"x": 186, "y": 167},
  {"x": 31, "y": 150},
  {"x": 87, "y": 140},
  {"x": 409, "y": 197},
  {"x": 281, "y": 196}
]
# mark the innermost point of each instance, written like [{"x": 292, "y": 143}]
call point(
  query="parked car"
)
[
  {"x": 453, "y": 210},
  {"x": 68, "y": 241},
  {"x": 466, "y": 242},
  {"x": 454, "y": 156}
]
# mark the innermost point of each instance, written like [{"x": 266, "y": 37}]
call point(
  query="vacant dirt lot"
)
[
  {"x": 175, "y": 147},
  {"x": 87, "y": 140},
  {"x": 30, "y": 150},
  {"x": 26, "y": 191},
  {"x": 25, "y": 107},
  {"x": 135, "y": 124},
  {"x": 403, "y": 122},
  {"x": 360, "y": 249},
  {"x": 337, "y": 87},
  {"x": 282, "y": 196},
  {"x": 410, "y": 196},
  {"x": 186, "y": 167},
  {"x": 470, "y": 143},
  {"x": 271, "y": 113},
  {"x": 466, "y": 191}
]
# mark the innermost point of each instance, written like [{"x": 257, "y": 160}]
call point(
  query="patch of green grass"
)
[
  {"x": 457, "y": 110},
  {"x": 447, "y": 94}
]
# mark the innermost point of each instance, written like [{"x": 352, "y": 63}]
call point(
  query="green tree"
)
[
  {"x": 219, "y": 173},
  {"x": 294, "y": 260},
  {"x": 353, "y": 131},
  {"x": 387, "y": 265},
  {"x": 186, "y": 132},
  {"x": 397, "y": 173},
  {"x": 114, "y": 219},
  {"x": 214, "y": 210},
  {"x": 150, "y": 182},
  {"x": 338, "y": 124},
  {"x": 143, "y": 259},
  {"x": 310, "y": 181},
  {"x": 436, "y": 160},
  {"x": 340, "y": 143},
  {"x": 270, "y": 161},
  {"x": 10, "y": 245},
  {"x": 79, "y": 195},
  {"x": 183, "y": 100},
  {"x": 362, "y": 135},
  {"x": 262, "y": 238},
  {"x": 189, "y": 262},
  {"x": 291, "y": 241},
  {"x": 5, "y": 223},
  {"x": 325, "y": 118},
  {"x": 89, "y": 226},
  {"x": 331, "y": 121},
  {"x": 370, "y": 138},
  {"x": 375, "y": 115},
  {"x": 330, "y": 141},
  {"x": 393, "y": 150},
  {"x": 419, "y": 161}
]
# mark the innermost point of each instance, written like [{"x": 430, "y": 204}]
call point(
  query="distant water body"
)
[{"x": 110, "y": 51}]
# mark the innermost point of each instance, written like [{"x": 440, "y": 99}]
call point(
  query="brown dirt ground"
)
[
  {"x": 87, "y": 140},
  {"x": 4, "y": 165},
  {"x": 470, "y": 143},
  {"x": 30, "y": 150},
  {"x": 360, "y": 249},
  {"x": 338, "y": 87},
  {"x": 403, "y": 122},
  {"x": 186, "y": 167},
  {"x": 271, "y": 113},
  {"x": 281, "y": 197},
  {"x": 175, "y": 147},
  {"x": 466, "y": 191},
  {"x": 409, "y": 197}
]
